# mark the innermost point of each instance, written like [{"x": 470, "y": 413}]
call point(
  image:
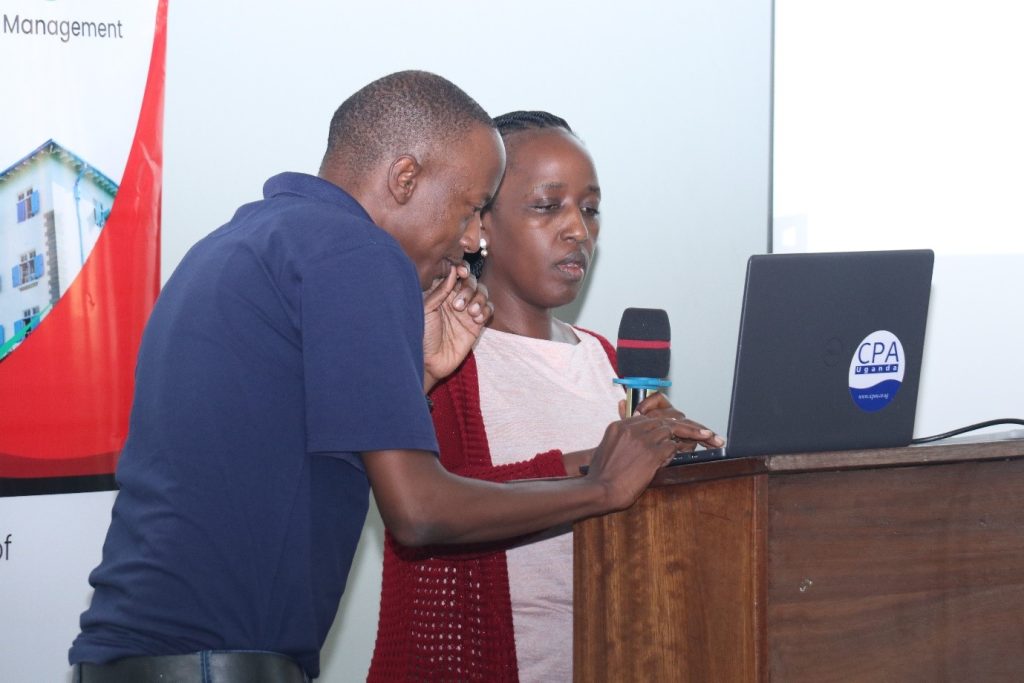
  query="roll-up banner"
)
[
  {"x": 80, "y": 169},
  {"x": 81, "y": 150}
]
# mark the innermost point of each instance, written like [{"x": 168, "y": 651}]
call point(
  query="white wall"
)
[
  {"x": 55, "y": 541},
  {"x": 672, "y": 99}
]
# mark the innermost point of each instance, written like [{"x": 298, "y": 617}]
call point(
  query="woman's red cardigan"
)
[{"x": 445, "y": 612}]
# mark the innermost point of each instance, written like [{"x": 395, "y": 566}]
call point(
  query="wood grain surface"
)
[{"x": 891, "y": 565}]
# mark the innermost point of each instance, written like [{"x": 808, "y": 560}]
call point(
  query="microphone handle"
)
[
  {"x": 634, "y": 396},
  {"x": 639, "y": 388}
]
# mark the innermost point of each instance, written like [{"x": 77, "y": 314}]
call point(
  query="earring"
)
[{"x": 483, "y": 247}]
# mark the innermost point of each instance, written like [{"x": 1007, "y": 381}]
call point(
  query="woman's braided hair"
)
[{"x": 527, "y": 120}]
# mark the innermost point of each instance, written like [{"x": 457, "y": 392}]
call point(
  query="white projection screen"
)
[{"x": 900, "y": 124}]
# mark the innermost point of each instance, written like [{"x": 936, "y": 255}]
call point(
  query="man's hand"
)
[
  {"x": 630, "y": 454},
  {"x": 455, "y": 309}
]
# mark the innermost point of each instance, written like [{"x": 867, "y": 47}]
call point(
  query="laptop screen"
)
[{"x": 829, "y": 351}]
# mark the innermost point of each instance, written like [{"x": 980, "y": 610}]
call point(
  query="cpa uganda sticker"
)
[{"x": 876, "y": 372}]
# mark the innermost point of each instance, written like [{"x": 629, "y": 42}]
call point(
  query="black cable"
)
[{"x": 969, "y": 428}]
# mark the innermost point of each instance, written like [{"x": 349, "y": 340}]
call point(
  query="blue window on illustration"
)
[
  {"x": 28, "y": 204},
  {"x": 99, "y": 214},
  {"x": 30, "y": 269},
  {"x": 29, "y": 320}
]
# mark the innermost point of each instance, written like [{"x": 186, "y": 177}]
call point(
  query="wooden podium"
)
[{"x": 901, "y": 564}]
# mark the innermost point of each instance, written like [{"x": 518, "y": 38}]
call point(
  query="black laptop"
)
[{"x": 829, "y": 353}]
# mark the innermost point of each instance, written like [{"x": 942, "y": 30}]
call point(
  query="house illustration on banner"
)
[{"x": 53, "y": 206}]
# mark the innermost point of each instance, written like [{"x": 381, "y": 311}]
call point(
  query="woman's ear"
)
[{"x": 403, "y": 175}]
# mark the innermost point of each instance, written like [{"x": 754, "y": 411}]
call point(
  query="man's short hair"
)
[{"x": 407, "y": 112}]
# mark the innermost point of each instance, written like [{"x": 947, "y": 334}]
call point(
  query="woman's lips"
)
[{"x": 574, "y": 265}]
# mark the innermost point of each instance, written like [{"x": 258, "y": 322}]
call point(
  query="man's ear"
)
[{"x": 403, "y": 175}]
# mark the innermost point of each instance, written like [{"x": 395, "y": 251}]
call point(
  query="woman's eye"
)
[
  {"x": 546, "y": 206},
  {"x": 591, "y": 210}
]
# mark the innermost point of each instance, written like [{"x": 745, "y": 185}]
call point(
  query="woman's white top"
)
[{"x": 537, "y": 395}]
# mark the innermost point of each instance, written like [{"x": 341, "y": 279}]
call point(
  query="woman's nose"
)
[{"x": 576, "y": 229}]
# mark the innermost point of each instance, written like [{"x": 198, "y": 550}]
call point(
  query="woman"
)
[{"x": 533, "y": 385}]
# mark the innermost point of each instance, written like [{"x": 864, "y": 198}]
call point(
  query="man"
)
[{"x": 282, "y": 373}]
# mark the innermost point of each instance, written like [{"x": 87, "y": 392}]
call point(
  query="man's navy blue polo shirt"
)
[{"x": 286, "y": 342}]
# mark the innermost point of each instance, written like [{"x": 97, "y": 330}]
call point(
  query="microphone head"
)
[{"x": 643, "y": 348}]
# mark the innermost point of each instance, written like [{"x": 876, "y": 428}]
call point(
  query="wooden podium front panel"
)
[
  {"x": 668, "y": 589},
  {"x": 897, "y": 574}
]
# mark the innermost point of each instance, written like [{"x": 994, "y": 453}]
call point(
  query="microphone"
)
[{"x": 643, "y": 351}]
